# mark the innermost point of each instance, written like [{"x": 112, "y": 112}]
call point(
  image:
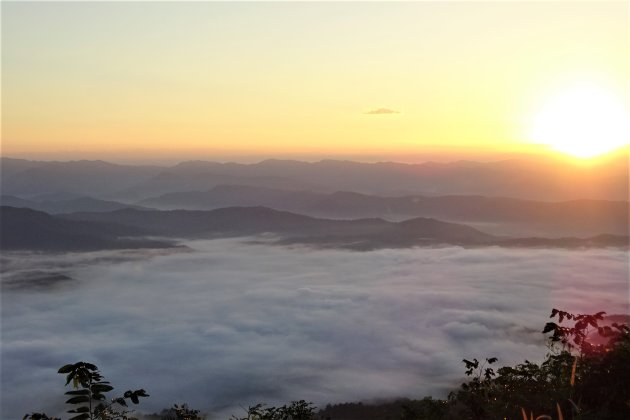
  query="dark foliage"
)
[
  {"x": 297, "y": 410},
  {"x": 400, "y": 409},
  {"x": 88, "y": 396},
  {"x": 182, "y": 412},
  {"x": 582, "y": 377}
]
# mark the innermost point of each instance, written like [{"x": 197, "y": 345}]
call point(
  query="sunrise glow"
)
[
  {"x": 389, "y": 80},
  {"x": 583, "y": 121}
]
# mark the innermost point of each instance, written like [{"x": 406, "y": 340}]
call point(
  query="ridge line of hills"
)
[
  {"x": 26, "y": 229},
  {"x": 580, "y": 217},
  {"x": 534, "y": 178}
]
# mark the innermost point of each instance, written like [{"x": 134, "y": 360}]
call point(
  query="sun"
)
[{"x": 583, "y": 121}]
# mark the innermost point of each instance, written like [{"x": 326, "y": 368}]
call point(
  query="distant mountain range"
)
[
  {"x": 29, "y": 229},
  {"x": 530, "y": 178},
  {"x": 496, "y": 215},
  {"x": 517, "y": 202},
  {"x": 25, "y": 178},
  {"x": 576, "y": 217}
]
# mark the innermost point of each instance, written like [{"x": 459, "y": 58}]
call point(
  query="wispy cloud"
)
[
  {"x": 234, "y": 324},
  {"x": 382, "y": 111}
]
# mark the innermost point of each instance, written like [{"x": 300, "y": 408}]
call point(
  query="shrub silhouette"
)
[
  {"x": 297, "y": 410},
  {"x": 88, "y": 396},
  {"x": 580, "y": 378}
]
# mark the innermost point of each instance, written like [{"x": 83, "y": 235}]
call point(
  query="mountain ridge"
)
[
  {"x": 364, "y": 234},
  {"x": 574, "y": 217},
  {"x": 525, "y": 178}
]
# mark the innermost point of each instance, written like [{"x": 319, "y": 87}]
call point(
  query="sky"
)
[
  {"x": 232, "y": 324},
  {"x": 84, "y": 79}
]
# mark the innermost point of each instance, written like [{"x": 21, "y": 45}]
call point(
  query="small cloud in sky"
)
[{"x": 382, "y": 111}]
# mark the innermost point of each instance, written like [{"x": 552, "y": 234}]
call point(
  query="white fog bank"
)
[{"x": 233, "y": 324}]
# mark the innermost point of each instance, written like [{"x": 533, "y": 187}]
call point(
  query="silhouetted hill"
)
[
  {"x": 66, "y": 205},
  {"x": 12, "y": 201},
  {"x": 26, "y": 229},
  {"x": 232, "y": 221},
  {"x": 359, "y": 234}
]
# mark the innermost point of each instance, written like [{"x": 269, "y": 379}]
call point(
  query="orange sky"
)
[{"x": 318, "y": 79}]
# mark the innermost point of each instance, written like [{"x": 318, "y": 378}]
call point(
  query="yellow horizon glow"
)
[{"x": 283, "y": 78}]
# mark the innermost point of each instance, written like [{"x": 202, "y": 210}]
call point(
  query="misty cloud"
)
[
  {"x": 381, "y": 111},
  {"x": 237, "y": 323}
]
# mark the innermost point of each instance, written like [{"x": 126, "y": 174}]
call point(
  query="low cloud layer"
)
[{"x": 234, "y": 324}]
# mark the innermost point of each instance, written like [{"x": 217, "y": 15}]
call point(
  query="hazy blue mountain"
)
[
  {"x": 236, "y": 195},
  {"x": 94, "y": 178},
  {"x": 533, "y": 178},
  {"x": 84, "y": 204},
  {"x": 293, "y": 228},
  {"x": 360, "y": 234},
  {"x": 13, "y": 201},
  {"x": 56, "y": 196},
  {"x": 26, "y": 229},
  {"x": 538, "y": 178},
  {"x": 171, "y": 181},
  {"x": 10, "y": 166},
  {"x": 232, "y": 221},
  {"x": 67, "y": 206},
  {"x": 576, "y": 217}
]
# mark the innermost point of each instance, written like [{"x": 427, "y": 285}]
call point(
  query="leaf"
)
[
  {"x": 66, "y": 369},
  {"x": 70, "y": 377},
  {"x": 80, "y": 410},
  {"x": 550, "y": 326},
  {"x": 141, "y": 393},
  {"x": 90, "y": 366},
  {"x": 97, "y": 396},
  {"x": 78, "y": 400},
  {"x": 492, "y": 360},
  {"x": 79, "y": 392},
  {"x": 101, "y": 388}
]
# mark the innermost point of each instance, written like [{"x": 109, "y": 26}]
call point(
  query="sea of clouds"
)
[{"x": 232, "y": 323}]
